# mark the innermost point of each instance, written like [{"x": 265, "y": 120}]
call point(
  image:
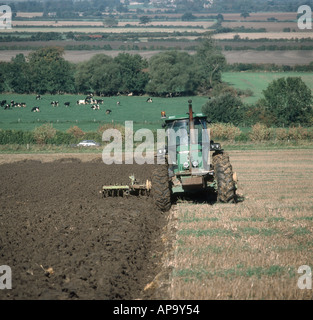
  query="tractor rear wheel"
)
[
  {"x": 226, "y": 187},
  {"x": 160, "y": 188}
]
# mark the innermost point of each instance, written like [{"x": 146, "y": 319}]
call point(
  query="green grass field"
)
[
  {"x": 258, "y": 81},
  {"x": 136, "y": 109}
]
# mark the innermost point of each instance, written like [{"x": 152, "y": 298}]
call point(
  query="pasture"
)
[
  {"x": 258, "y": 81},
  {"x": 135, "y": 108}
]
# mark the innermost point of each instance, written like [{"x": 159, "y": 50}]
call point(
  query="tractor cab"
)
[{"x": 189, "y": 144}]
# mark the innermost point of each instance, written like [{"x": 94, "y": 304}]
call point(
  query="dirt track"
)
[{"x": 52, "y": 216}]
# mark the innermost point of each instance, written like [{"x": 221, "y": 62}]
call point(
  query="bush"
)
[
  {"x": 226, "y": 108},
  {"x": 224, "y": 131},
  {"x": 107, "y": 126},
  {"x": 63, "y": 138},
  {"x": 298, "y": 133},
  {"x": 222, "y": 88},
  {"x": 16, "y": 137},
  {"x": 44, "y": 133},
  {"x": 281, "y": 134},
  {"x": 260, "y": 132},
  {"x": 76, "y": 132}
]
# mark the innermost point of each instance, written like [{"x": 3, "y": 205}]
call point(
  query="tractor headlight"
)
[
  {"x": 195, "y": 163},
  {"x": 162, "y": 151},
  {"x": 186, "y": 165},
  {"x": 215, "y": 146}
]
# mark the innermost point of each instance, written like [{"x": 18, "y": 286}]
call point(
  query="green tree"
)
[
  {"x": 144, "y": 20},
  {"x": 210, "y": 62},
  {"x": 100, "y": 75},
  {"x": 220, "y": 18},
  {"x": 19, "y": 81},
  {"x": 245, "y": 14},
  {"x": 289, "y": 101},
  {"x": 110, "y": 21},
  {"x": 172, "y": 72},
  {"x": 49, "y": 71},
  {"x": 4, "y": 76},
  {"x": 131, "y": 75},
  {"x": 225, "y": 108},
  {"x": 188, "y": 16}
]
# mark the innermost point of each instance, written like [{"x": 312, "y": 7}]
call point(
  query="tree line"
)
[{"x": 172, "y": 72}]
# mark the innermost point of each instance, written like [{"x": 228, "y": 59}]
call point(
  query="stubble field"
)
[{"x": 251, "y": 250}]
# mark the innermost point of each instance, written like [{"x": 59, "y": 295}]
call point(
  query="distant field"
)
[
  {"x": 287, "y": 57},
  {"x": 267, "y": 35},
  {"x": 269, "y": 26},
  {"x": 258, "y": 81},
  {"x": 29, "y": 14},
  {"x": 105, "y": 29},
  {"x": 262, "y": 16},
  {"x": 136, "y": 109},
  {"x": 279, "y": 57},
  {"x": 78, "y": 23}
]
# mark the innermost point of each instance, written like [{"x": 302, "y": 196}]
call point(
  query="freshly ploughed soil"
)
[{"x": 64, "y": 241}]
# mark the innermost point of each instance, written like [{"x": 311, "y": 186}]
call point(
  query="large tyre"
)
[
  {"x": 223, "y": 171},
  {"x": 160, "y": 188}
]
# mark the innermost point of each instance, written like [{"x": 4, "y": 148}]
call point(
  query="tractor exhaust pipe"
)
[
  {"x": 191, "y": 133},
  {"x": 191, "y": 124}
]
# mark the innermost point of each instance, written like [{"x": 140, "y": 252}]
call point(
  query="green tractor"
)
[{"x": 191, "y": 163}]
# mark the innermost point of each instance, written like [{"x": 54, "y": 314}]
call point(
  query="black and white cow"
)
[
  {"x": 35, "y": 109},
  {"x": 55, "y": 103},
  {"x": 95, "y": 107},
  {"x": 81, "y": 101},
  {"x": 108, "y": 111},
  {"x": 67, "y": 104}
]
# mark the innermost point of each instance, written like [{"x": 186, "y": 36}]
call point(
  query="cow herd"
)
[
  {"x": 12, "y": 104},
  {"x": 89, "y": 100}
]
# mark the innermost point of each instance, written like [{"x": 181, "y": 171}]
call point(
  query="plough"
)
[{"x": 125, "y": 190}]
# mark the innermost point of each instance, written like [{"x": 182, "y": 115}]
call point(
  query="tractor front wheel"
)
[
  {"x": 160, "y": 188},
  {"x": 226, "y": 187}
]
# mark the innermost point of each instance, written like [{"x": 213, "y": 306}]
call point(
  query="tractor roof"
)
[{"x": 184, "y": 117}]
